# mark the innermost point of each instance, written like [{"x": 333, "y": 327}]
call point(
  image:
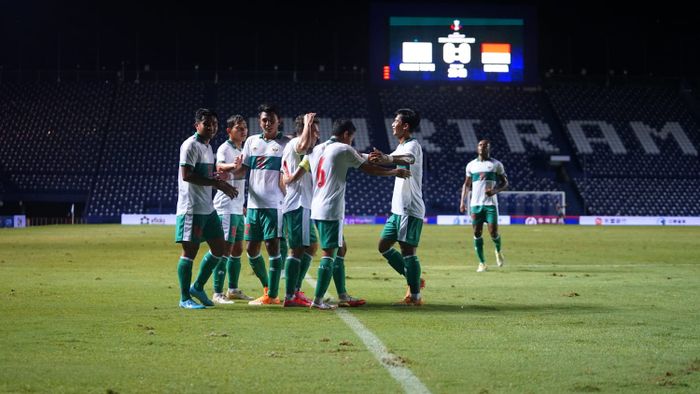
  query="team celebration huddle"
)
[{"x": 296, "y": 203}]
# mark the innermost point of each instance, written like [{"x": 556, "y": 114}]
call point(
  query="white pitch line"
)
[{"x": 410, "y": 383}]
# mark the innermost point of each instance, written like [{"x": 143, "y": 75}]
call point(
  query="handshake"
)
[{"x": 377, "y": 157}]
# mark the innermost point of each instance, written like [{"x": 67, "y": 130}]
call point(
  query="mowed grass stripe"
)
[
  {"x": 393, "y": 363},
  {"x": 577, "y": 309}
]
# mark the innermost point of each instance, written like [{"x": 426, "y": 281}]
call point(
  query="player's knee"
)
[
  {"x": 383, "y": 246},
  {"x": 252, "y": 250},
  {"x": 311, "y": 249}
]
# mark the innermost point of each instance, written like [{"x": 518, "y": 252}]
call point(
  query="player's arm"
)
[
  {"x": 281, "y": 184},
  {"x": 189, "y": 175},
  {"x": 237, "y": 169},
  {"x": 466, "y": 187},
  {"x": 501, "y": 185},
  {"x": 305, "y": 138},
  {"x": 373, "y": 169},
  {"x": 304, "y": 167},
  {"x": 378, "y": 157},
  {"x": 222, "y": 166}
]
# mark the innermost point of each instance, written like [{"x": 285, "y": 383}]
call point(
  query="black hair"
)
[
  {"x": 410, "y": 117},
  {"x": 269, "y": 108},
  {"x": 234, "y": 120},
  {"x": 342, "y": 125},
  {"x": 203, "y": 112}
]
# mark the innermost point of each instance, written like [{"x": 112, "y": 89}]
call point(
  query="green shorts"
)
[
  {"x": 263, "y": 224},
  {"x": 299, "y": 228},
  {"x": 232, "y": 225},
  {"x": 330, "y": 232},
  {"x": 484, "y": 213},
  {"x": 403, "y": 228},
  {"x": 198, "y": 228}
]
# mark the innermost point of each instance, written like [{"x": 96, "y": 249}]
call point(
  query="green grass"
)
[{"x": 93, "y": 308}]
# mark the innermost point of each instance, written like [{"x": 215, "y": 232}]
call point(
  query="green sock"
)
[
  {"x": 339, "y": 274},
  {"x": 220, "y": 275},
  {"x": 209, "y": 262},
  {"x": 413, "y": 273},
  {"x": 497, "y": 242},
  {"x": 291, "y": 269},
  {"x": 184, "y": 276},
  {"x": 233, "y": 267},
  {"x": 479, "y": 248},
  {"x": 258, "y": 265},
  {"x": 303, "y": 269},
  {"x": 273, "y": 286},
  {"x": 395, "y": 260},
  {"x": 325, "y": 273}
]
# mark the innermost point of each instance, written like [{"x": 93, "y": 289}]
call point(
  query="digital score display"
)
[
  {"x": 453, "y": 43},
  {"x": 440, "y": 49}
]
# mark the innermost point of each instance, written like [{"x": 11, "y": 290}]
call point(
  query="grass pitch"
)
[{"x": 93, "y": 308}]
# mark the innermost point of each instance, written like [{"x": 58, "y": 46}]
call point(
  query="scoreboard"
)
[{"x": 457, "y": 45}]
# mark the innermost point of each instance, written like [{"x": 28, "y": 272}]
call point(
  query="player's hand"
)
[
  {"x": 309, "y": 118},
  {"x": 237, "y": 162},
  {"x": 490, "y": 192},
  {"x": 221, "y": 175},
  {"x": 462, "y": 207},
  {"x": 378, "y": 157},
  {"x": 403, "y": 173},
  {"x": 375, "y": 156},
  {"x": 227, "y": 188}
]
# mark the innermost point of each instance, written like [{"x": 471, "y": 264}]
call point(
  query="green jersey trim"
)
[
  {"x": 204, "y": 169},
  {"x": 273, "y": 163},
  {"x": 484, "y": 176}
]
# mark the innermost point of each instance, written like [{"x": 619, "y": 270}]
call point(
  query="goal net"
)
[{"x": 552, "y": 203}]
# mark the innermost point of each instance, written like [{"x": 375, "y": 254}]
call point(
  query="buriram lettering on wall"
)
[
  {"x": 533, "y": 133},
  {"x": 521, "y": 135}
]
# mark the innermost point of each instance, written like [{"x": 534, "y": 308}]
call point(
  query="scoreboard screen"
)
[{"x": 460, "y": 46}]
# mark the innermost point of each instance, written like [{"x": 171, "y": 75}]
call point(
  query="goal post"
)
[{"x": 532, "y": 203}]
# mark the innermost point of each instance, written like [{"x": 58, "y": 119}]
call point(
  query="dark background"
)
[{"x": 661, "y": 39}]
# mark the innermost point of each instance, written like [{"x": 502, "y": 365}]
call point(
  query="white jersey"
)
[
  {"x": 191, "y": 198},
  {"x": 264, "y": 159},
  {"x": 330, "y": 162},
  {"x": 483, "y": 175},
  {"x": 225, "y": 205},
  {"x": 408, "y": 192},
  {"x": 300, "y": 193}
]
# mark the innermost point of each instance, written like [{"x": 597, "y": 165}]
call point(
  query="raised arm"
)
[{"x": 305, "y": 139}]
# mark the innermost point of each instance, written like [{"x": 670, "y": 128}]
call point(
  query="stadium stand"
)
[
  {"x": 637, "y": 146},
  {"x": 115, "y": 146}
]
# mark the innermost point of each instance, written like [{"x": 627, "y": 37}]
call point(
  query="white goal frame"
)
[{"x": 535, "y": 193}]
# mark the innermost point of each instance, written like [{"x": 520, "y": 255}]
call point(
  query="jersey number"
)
[{"x": 320, "y": 174}]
